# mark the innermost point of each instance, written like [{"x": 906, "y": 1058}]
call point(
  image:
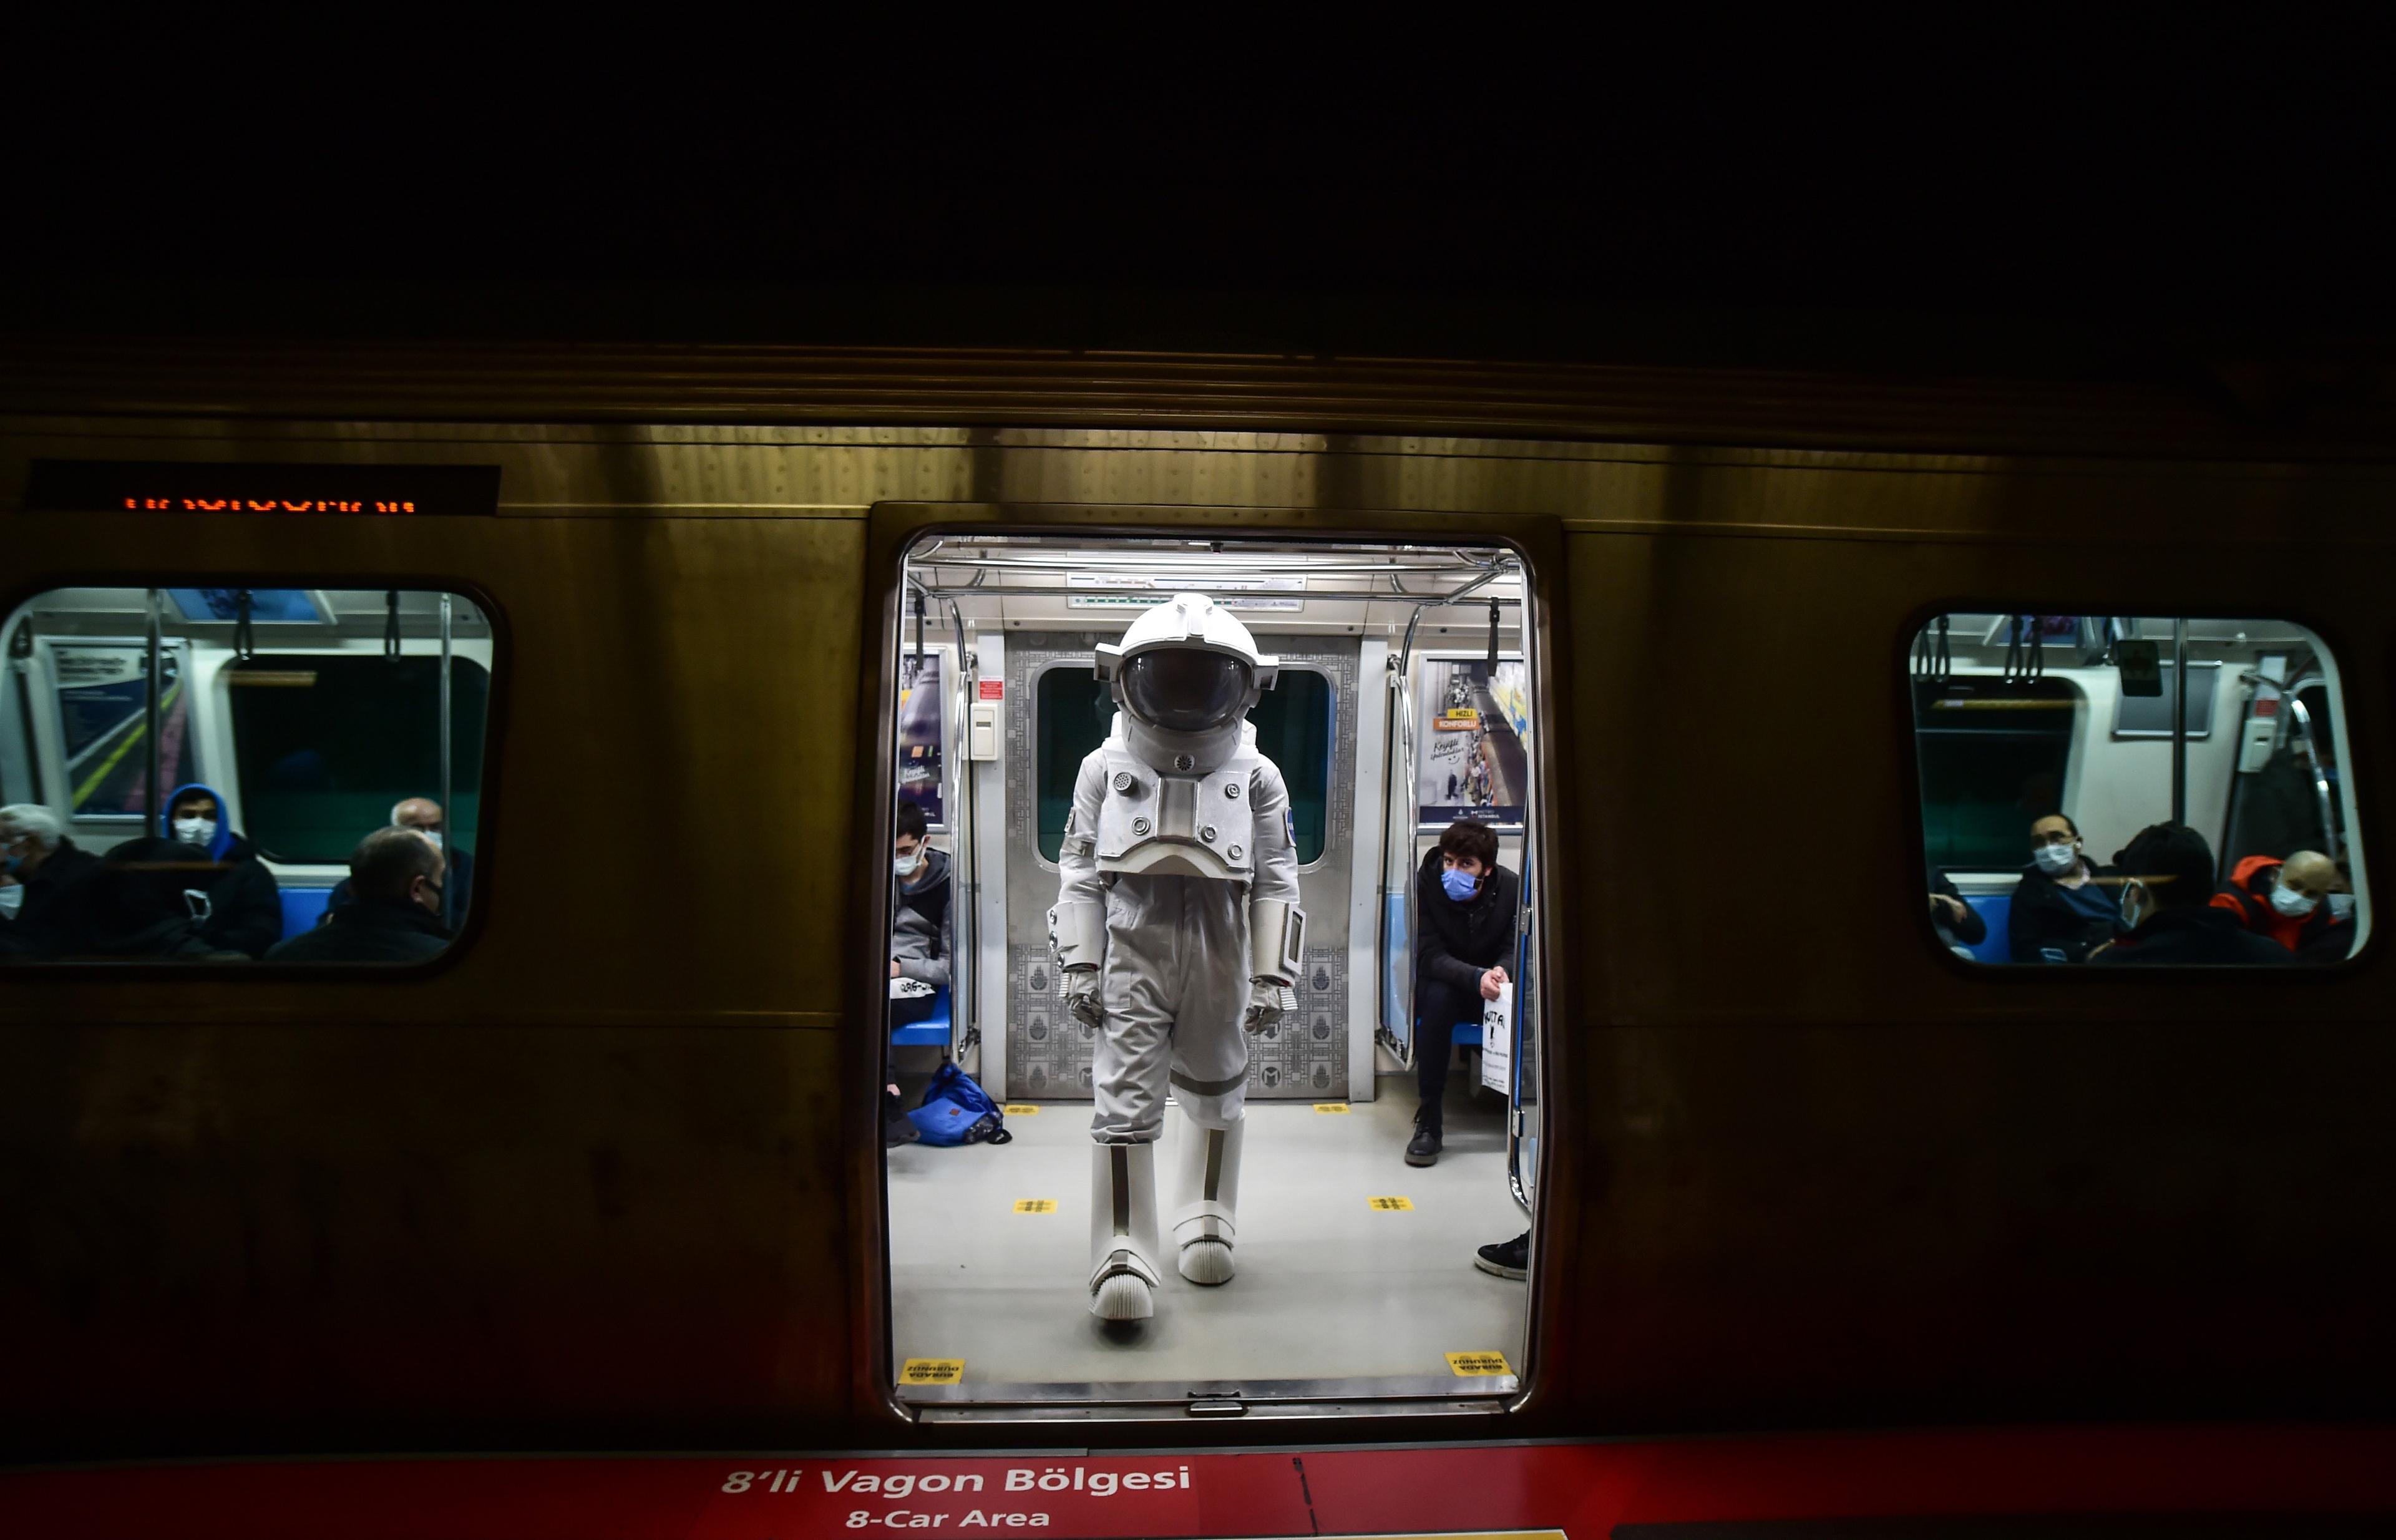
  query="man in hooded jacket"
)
[
  {"x": 2301, "y": 903},
  {"x": 245, "y": 909}
]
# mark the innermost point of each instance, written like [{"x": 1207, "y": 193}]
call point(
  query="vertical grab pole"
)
[
  {"x": 152, "y": 699},
  {"x": 448, "y": 815},
  {"x": 2179, "y": 720}
]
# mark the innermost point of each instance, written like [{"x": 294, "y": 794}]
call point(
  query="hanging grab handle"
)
[
  {"x": 1932, "y": 663},
  {"x": 390, "y": 628},
  {"x": 245, "y": 637}
]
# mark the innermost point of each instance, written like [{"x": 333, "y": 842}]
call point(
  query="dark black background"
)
[{"x": 1999, "y": 201}]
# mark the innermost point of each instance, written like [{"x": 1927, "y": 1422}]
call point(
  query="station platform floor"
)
[{"x": 1330, "y": 1286}]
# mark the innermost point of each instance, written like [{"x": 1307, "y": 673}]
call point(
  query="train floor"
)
[{"x": 1329, "y": 1287}]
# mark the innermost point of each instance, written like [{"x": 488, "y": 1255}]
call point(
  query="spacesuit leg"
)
[
  {"x": 1210, "y": 1086},
  {"x": 1128, "y": 1068},
  {"x": 1123, "y": 1232}
]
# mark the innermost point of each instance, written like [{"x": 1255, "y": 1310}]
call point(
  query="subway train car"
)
[{"x": 1947, "y": 984}]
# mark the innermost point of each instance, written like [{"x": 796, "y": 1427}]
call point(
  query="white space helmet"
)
[{"x": 1186, "y": 666}]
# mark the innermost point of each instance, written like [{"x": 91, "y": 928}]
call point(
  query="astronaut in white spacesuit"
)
[{"x": 1176, "y": 932}]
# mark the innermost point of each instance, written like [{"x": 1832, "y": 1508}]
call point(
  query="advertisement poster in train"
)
[
  {"x": 105, "y": 724},
  {"x": 920, "y": 738},
  {"x": 1471, "y": 728}
]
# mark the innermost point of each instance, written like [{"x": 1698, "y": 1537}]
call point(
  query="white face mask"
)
[
  {"x": 906, "y": 865},
  {"x": 2057, "y": 860},
  {"x": 2341, "y": 906},
  {"x": 2288, "y": 901},
  {"x": 431, "y": 834},
  {"x": 198, "y": 832}
]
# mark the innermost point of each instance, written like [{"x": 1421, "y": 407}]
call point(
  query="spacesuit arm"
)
[
  {"x": 1276, "y": 925},
  {"x": 1077, "y": 926}
]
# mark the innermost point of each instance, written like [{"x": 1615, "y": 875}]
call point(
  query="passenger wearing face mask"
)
[
  {"x": 45, "y": 864},
  {"x": 2060, "y": 909},
  {"x": 244, "y": 908},
  {"x": 424, "y": 816},
  {"x": 1464, "y": 954},
  {"x": 2167, "y": 885},
  {"x": 395, "y": 911},
  {"x": 2300, "y": 903},
  {"x": 919, "y": 932}
]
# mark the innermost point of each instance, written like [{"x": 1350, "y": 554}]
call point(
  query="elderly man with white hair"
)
[{"x": 42, "y": 861}]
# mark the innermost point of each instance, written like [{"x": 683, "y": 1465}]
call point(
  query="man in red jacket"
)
[{"x": 2291, "y": 902}]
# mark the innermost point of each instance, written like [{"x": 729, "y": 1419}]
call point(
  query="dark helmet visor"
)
[{"x": 1184, "y": 690}]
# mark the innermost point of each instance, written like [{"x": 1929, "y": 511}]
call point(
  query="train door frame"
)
[{"x": 893, "y": 529}]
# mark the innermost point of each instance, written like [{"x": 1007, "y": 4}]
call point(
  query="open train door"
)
[{"x": 983, "y": 1272}]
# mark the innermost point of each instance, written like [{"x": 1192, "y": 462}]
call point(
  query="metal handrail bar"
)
[
  {"x": 1404, "y": 705},
  {"x": 2304, "y": 720}
]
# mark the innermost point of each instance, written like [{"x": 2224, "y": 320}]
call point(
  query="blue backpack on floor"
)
[{"x": 956, "y": 1112}]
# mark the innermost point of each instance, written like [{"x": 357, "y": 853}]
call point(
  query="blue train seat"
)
[
  {"x": 933, "y": 1029},
  {"x": 1994, "y": 908},
  {"x": 302, "y": 907}
]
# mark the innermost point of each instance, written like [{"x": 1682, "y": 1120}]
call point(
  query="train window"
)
[
  {"x": 323, "y": 748},
  {"x": 2079, "y": 808},
  {"x": 1993, "y": 757},
  {"x": 1072, "y": 710},
  {"x": 1293, "y": 730},
  {"x": 1144, "y": 1102},
  {"x": 304, "y": 783}
]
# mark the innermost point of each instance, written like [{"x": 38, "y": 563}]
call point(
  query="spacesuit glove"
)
[
  {"x": 1267, "y": 1003},
  {"x": 1082, "y": 996}
]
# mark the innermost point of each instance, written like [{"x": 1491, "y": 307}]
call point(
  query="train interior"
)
[
  {"x": 311, "y": 714},
  {"x": 1404, "y": 701},
  {"x": 2019, "y": 718}
]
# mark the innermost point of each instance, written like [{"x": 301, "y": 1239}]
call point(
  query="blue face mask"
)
[{"x": 1459, "y": 886}]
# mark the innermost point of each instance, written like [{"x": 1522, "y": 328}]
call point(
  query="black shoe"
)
[
  {"x": 1511, "y": 1259},
  {"x": 1423, "y": 1148}
]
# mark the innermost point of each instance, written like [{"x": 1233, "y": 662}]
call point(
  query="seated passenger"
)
[
  {"x": 424, "y": 816},
  {"x": 2059, "y": 910},
  {"x": 393, "y": 914},
  {"x": 919, "y": 931},
  {"x": 244, "y": 908},
  {"x": 2289, "y": 901},
  {"x": 143, "y": 902},
  {"x": 2167, "y": 889},
  {"x": 1466, "y": 902},
  {"x": 45, "y": 863},
  {"x": 1959, "y": 925}
]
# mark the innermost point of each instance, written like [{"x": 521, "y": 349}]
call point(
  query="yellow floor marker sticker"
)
[
  {"x": 1035, "y": 1205},
  {"x": 1391, "y": 1205},
  {"x": 1474, "y": 1365},
  {"x": 935, "y": 1371},
  {"x": 1020, "y": 1110},
  {"x": 1331, "y": 1107}
]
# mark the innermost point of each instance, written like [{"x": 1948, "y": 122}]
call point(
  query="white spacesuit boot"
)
[
  {"x": 1123, "y": 1232},
  {"x": 1206, "y": 1196}
]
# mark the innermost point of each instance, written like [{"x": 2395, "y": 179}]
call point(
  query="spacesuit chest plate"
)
[{"x": 1185, "y": 824}]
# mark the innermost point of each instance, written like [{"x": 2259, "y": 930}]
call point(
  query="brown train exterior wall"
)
[{"x": 597, "y": 1181}]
